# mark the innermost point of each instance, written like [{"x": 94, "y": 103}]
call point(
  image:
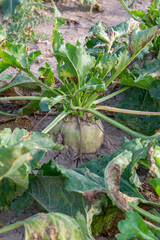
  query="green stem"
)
[
  {"x": 110, "y": 95},
  {"x": 117, "y": 124},
  {"x": 152, "y": 226},
  {"x": 128, "y": 10},
  {"x": 42, "y": 84},
  {"x": 91, "y": 9},
  {"x": 11, "y": 227},
  {"x": 126, "y": 111},
  {"x": 21, "y": 98},
  {"x": 145, "y": 214},
  {"x": 55, "y": 121},
  {"x": 8, "y": 114},
  {"x": 91, "y": 99}
]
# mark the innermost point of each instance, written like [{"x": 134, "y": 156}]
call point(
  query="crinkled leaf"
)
[
  {"x": 12, "y": 158},
  {"x": 110, "y": 35},
  {"x": 33, "y": 56},
  {"x": 113, "y": 173},
  {"x": 104, "y": 65},
  {"x": 97, "y": 208},
  {"x": 139, "y": 99},
  {"x": 128, "y": 78},
  {"x": 47, "y": 103},
  {"x": 49, "y": 194},
  {"x": 47, "y": 75},
  {"x": 14, "y": 172},
  {"x": 20, "y": 79},
  {"x": 53, "y": 226},
  {"x": 156, "y": 184},
  {"x": 76, "y": 63},
  {"x": 37, "y": 142},
  {"x": 124, "y": 52},
  {"x": 88, "y": 177},
  {"x": 32, "y": 140},
  {"x": 95, "y": 84},
  {"x": 134, "y": 226},
  {"x": 16, "y": 55},
  {"x": 139, "y": 39},
  {"x": 57, "y": 37},
  {"x": 20, "y": 152},
  {"x": 77, "y": 180}
]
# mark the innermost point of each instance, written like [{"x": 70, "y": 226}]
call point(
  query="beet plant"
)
[{"x": 83, "y": 80}]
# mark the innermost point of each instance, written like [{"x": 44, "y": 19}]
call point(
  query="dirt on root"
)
[{"x": 78, "y": 23}]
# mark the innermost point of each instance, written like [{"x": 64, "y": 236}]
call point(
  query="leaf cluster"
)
[{"x": 62, "y": 194}]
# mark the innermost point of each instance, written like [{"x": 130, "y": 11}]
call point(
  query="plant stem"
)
[
  {"x": 128, "y": 10},
  {"x": 21, "y": 98},
  {"x": 55, "y": 121},
  {"x": 92, "y": 4},
  {"x": 117, "y": 124},
  {"x": 145, "y": 213},
  {"x": 127, "y": 111},
  {"x": 150, "y": 225},
  {"x": 8, "y": 114},
  {"x": 110, "y": 95},
  {"x": 42, "y": 84},
  {"x": 11, "y": 227},
  {"x": 91, "y": 99}
]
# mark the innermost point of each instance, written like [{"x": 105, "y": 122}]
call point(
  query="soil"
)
[{"x": 76, "y": 28}]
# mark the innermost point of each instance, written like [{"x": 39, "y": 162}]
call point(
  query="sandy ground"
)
[{"x": 76, "y": 28}]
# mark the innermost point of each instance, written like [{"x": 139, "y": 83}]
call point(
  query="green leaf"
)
[
  {"x": 31, "y": 140},
  {"x": 140, "y": 39},
  {"x": 47, "y": 75},
  {"x": 20, "y": 79},
  {"x": 134, "y": 226},
  {"x": 73, "y": 62},
  {"x": 143, "y": 81},
  {"x": 12, "y": 158},
  {"x": 156, "y": 154},
  {"x": 20, "y": 152},
  {"x": 2, "y": 33},
  {"x": 34, "y": 106},
  {"x": 156, "y": 184},
  {"x": 110, "y": 35},
  {"x": 47, "y": 103},
  {"x": 57, "y": 37},
  {"x": 16, "y": 55},
  {"x": 104, "y": 65},
  {"x": 77, "y": 179},
  {"x": 154, "y": 89},
  {"x": 76, "y": 62},
  {"x": 139, "y": 99},
  {"x": 6, "y": 76},
  {"x": 95, "y": 84},
  {"x": 112, "y": 176},
  {"x": 52, "y": 226},
  {"x": 48, "y": 194},
  {"x": 9, "y": 6}
]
